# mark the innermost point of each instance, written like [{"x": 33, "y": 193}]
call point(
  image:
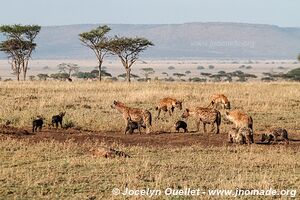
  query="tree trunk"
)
[
  {"x": 128, "y": 74},
  {"x": 24, "y": 68},
  {"x": 99, "y": 68}
]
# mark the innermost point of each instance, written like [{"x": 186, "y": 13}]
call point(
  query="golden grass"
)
[
  {"x": 65, "y": 170},
  {"x": 88, "y": 103}
]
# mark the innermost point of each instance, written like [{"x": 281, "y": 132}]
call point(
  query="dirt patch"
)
[{"x": 159, "y": 139}]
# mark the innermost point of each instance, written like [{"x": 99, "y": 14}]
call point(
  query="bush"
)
[
  {"x": 197, "y": 79},
  {"x": 42, "y": 77},
  {"x": 60, "y": 76}
]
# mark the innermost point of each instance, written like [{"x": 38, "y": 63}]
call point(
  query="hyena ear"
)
[
  {"x": 227, "y": 113},
  {"x": 187, "y": 110},
  {"x": 115, "y": 102}
]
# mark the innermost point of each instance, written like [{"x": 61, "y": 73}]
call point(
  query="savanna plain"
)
[{"x": 58, "y": 163}]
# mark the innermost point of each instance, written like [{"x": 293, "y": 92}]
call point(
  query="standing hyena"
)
[
  {"x": 142, "y": 117},
  {"x": 219, "y": 99},
  {"x": 240, "y": 119},
  {"x": 275, "y": 134},
  {"x": 37, "y": 124},
  {"x": 168, "y": 105},
  {"x": 58, "y": 119},
  {"x": 206, "y": 116}
]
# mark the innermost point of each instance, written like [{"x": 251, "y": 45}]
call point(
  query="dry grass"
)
[
  {"x": 55, "y": 170},
  {"x": 88, "y": 103}
]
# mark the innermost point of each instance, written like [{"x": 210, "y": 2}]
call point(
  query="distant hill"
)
[{"x": 189, "y": 40}]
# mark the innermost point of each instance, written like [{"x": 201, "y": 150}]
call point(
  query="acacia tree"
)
[
  {"x": 147, "y": 71},
  {"x": 128, "y": 50},
  {"x": 19, "y": 45},
  {"x": 97, "y": 41},
  {"x": 68, "y": 68}
]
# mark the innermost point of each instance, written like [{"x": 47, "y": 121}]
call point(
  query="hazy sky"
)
[{"x": 61, "y": 12}]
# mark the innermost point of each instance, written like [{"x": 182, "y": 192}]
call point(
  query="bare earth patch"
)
[{"x": 157, "y": 139}]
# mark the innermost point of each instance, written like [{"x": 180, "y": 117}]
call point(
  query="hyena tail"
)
[
  {"x": 148, "y": 118},
  {"x": 219, "y": 118},
  {"x": 122, "y": 154},
  {"x": 251, "y": 124}
]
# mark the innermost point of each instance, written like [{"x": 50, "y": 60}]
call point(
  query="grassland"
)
[{"x": 66, "y": 170}]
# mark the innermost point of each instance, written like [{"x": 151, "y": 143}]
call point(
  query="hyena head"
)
[
  {"x": 227, "y": 105},
  {"x": 178, "y": 104},
  {"x": 227, "y": 115},
  {"x": 62, "y": 114},
  {"x": 115, "y": 104},
  {"x": 186, "y": 113},
  {"x": 264, "y": 137}
]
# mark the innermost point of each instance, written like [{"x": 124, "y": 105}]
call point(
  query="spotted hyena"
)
[
  {"x": 240, "y": 119},
  {"x": 58, "y": 119},
  {"x": 206, "y": 116},
  {"x": 275, "y": 134},
  {"x": 108, "y": 153},
  {"x": 37, "y": 124},
  {"x": 181, "y": 125},
  {"x": 131, "y": 126},
  {"x": 219, "y": 100},
  {"x": 242, "y": 135},
  {"x": 247, "y": 133},
  {"x": 137, "y": 115},
  {"x": 168, "y": 105},
  {"x": 235, "y": 137}
]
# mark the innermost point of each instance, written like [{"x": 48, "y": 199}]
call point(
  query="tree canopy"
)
[
  {"x": 128, "y": 50},
  {"x": 19, "y": 45},
  {"x": 97, "y": 41}
]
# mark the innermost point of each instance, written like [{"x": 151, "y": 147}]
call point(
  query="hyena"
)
[
  {"x": 180, "y": 125},
  {"x": 235, "y": 137},
  {"x": 140, "y": 116},
  {"x": 242, "y": 135},
  {"x": 240, "y": 119},
  {"x": 108, "y": 153},
  {"x": 168, "y": 105},
  {"x": 206, "y": 116},
  {"x": 131, "y": 126},
  {"x": 219, "y": 99},
  {"x": 58, "y": 119},
  {"x": 247, "y": 133},
  {"x": 275, "y": 134},
  {"x": 37, "y": 124}
]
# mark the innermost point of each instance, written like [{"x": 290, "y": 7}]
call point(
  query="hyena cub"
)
[
  {"x": 58, "y": 119},
  {"x": 235, "y": 137},
  {"x": 242, "y": 135},
  {"x": 37, "y": 124},
  {"x": 275, "y": 134},
  {"x": 132, "y": 125},
  {"x": 181, "y": 125}
]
